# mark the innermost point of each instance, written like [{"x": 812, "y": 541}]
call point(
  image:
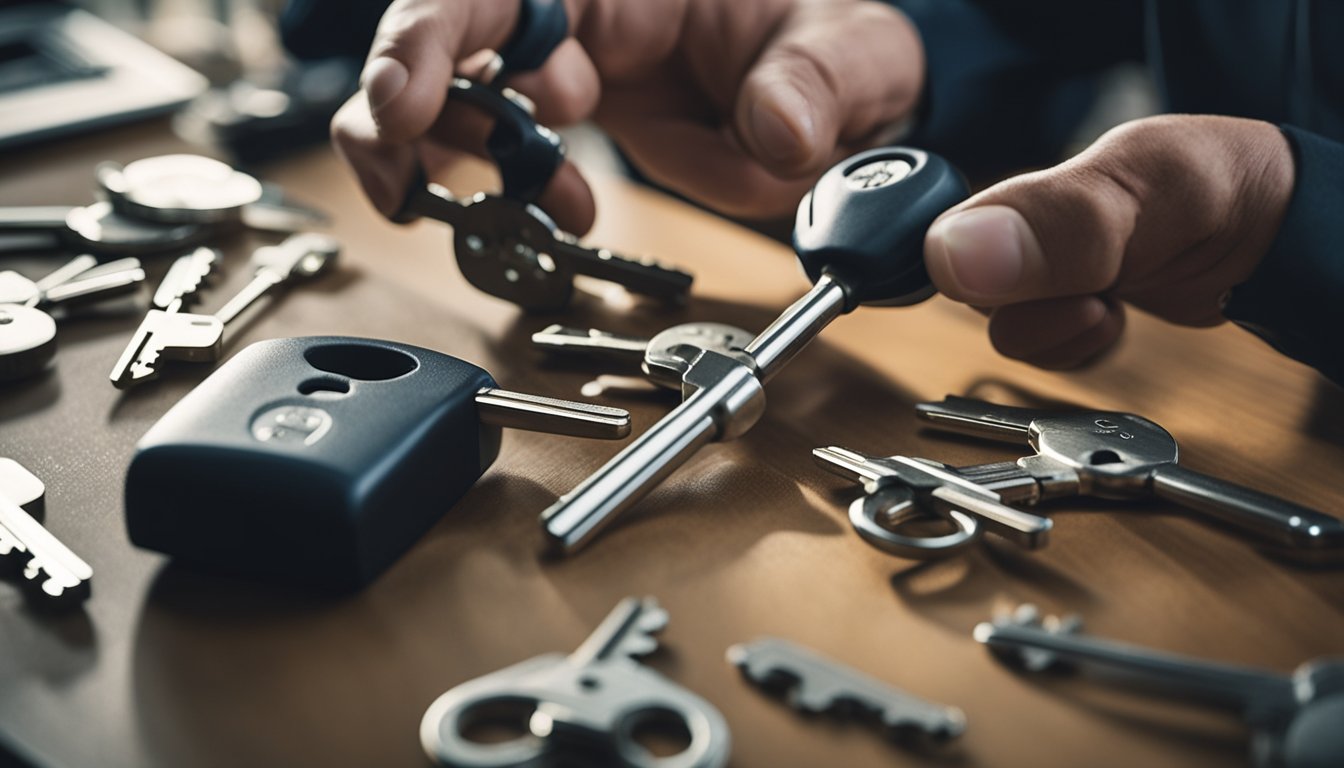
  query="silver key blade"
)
[
  {"x": 981, "y": 419},
  {"x": 725, "y": 400},
  {"x": 68, "y": 271},
  {"x": 815, "y": 684},
  {"x": 627, "y": 632},
  {"x": 1025, "y": 637},
  {"x": 1290, "y": 529},
  {"x": 592, "y": 342},
  {"x": 301, "y": 256},
  {"x": 113, "y": 279},
  {"x": 518, "y": 410},
  {"x": 185, "y": 277}
]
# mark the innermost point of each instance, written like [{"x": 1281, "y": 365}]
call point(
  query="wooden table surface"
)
[{"x": 167, "y": 667}]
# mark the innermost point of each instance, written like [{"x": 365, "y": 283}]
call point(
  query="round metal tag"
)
[{"x": 188, "y": 183}]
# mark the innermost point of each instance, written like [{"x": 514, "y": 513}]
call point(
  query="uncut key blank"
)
[
  {"x": 1297, "y": 719},
  {"x": 173, "y": 335},
  {"x": 861, "y": 242},
  {"x": 51, "y": 575}
]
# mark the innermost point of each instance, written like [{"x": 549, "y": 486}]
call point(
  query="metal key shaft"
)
[{"x": 855, "y": 251}]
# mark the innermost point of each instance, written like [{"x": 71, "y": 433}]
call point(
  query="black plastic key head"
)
[
  {"x": 864, "y": 223},
  {"x": 314, "y": 460}
]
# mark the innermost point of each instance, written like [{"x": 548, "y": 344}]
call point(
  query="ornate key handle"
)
[{"x": 592, "y": 713}]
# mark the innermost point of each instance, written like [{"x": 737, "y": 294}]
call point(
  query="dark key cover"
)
[
  {"x": 401, "y": 444},
  {"x": 872, "y": 237}
]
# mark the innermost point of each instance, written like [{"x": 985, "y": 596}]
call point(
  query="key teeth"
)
[
  {"x": 1027, "y": 615},
  {"x": 641, "y": 640}
]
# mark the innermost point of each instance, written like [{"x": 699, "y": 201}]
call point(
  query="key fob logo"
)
[
  {"x": 292, "y": 425},
  {"x": 879, "y": 173}
]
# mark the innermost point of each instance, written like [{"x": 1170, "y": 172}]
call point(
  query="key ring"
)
[{"x": 878, "y": 516}]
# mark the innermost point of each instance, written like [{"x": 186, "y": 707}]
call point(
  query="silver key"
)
[
  {"x": 1124, "y": 456},
  {"x": 81, "y": 279},
  {"x": 661, "y": 357},
  {"x": 585, "y": 707},
  {"x": 513, "y": 250},
  {"x": 815, "y": 684},
  {"x": 52, "y": 575},
  {"x": 181, "y": 284},
  {"x": 199, "y": 338},
  {"x": 899, "y": 490},
  {"x": 1296, "y": 718}
]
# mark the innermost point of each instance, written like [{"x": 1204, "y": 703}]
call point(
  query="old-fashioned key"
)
[
  {"x": 1297, "y": 719},
  {"x": 507, "y": 246},
  {"x": 859, "y": 235},
  {"x": 51, "y": 575},
  {"x": 900, "y": 490},
  {"x": 814, "y": 684},
  {"x": 191, "y": 189},
  {"x": 661, "y": 358},
  {"x": 96, "y": 228},
  {"x": 172, "y": 335},
  {"x": 1124, "y": 456},
  {"x": 27, "y": 329},
  {"x": 319, "y": 461},
  {"x": 585, "y": 707}
]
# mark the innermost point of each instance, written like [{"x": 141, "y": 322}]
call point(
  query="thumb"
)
[{"x": 832, "y": 74}]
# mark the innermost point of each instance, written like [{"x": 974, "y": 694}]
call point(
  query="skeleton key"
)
[
  {"x": 899, "y": 489},
  {"x": 661, "y": 357},
  {"x": 507, "y": 246},
  {"x": 585, "y": 707},
  {"x": 1296, "y": 718},
  {"x": 1124, "y": 456},
  {"x": 199, "y": 338},
  {"x": 52, "y": 575},
  {"x": 814, "y": 684},
  {"x": 859, "y": 236}
]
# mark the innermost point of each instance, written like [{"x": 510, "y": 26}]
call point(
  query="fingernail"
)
[
  {"x": 983, "y": 247},
  {"x": 383, "y": 79},
  {"x": 782, "y": 123}
]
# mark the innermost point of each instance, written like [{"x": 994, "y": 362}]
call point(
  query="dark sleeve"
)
[
  {"x": 318, "y": 29},
  {"x": 1008, "y": 81},
  {"x": 1295, "y": 298}
]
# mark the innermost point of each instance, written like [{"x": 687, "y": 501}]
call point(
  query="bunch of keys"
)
[
  {"x": 168, "y": 333},
  {"x": 859, "y": 236},
  {"x": 507, "y": 246},
  {"x": 1296, "y": 719},
  {"x": 51, "y": 575},
  {"x": 1095, "y": 453},
  {"x": 814, "y": 684},
  {"x": 319, "y": 461},
  {"x": 28, "y": 331},
  {"x": 586, "y": 707},
  {"x": 155, "y": 205}
]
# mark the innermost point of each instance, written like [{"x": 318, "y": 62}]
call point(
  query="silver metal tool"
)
[
  {"x": 1297, "y": 719},
  {"x": 662, "y": 358},
  {"x": 27, "y": 328},
  {"x": 585, "y": 707},
  {"x": 1124, "y": 456},
  {"x": 900, "y": 490},
  {"x": 860, "y": 243},
  {"x": 814, "y": 684},
  {"x": 191, "y": 189},
  {"x": 174, "y": 335},
  {"x": 50, "y": 574}
]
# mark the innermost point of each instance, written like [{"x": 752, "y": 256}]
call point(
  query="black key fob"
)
[{"x": 313, "y": 460}]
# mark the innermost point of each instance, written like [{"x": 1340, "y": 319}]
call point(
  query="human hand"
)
[
  {"x": 739, "y": 104},
  {"x": 1167, "y": 213}
]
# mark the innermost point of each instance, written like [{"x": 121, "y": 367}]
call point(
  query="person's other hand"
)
[
  {"x": 1166, "y": 213},
  {"x": 739, "y": 104}
]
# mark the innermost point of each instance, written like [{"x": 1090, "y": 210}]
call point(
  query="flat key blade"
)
[
  {"x": 643, "y": 276},
  {"x": 185, "y": 277},
  {"x": 815, "y": 684},
  {"x": 627, "y": 631},
  {"x": 982, "y": 419},
  {"x": 121, "y": 376},
  {"x": 518, "y": 410},
  {"x": 591, "y": 342}
]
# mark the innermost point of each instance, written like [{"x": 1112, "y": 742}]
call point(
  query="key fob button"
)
[{"x": 250, "y": 475}]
